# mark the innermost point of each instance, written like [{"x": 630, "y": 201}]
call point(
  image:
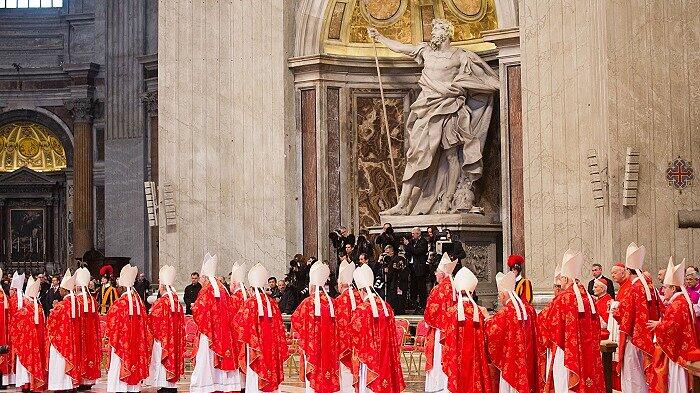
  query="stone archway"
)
[{"x": 57, "y": 127}]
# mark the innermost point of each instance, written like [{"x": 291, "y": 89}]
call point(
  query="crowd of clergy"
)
[{"x": 349, "y": 344}]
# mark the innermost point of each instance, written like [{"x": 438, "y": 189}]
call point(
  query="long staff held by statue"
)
[{"x": 385, "y": 118}]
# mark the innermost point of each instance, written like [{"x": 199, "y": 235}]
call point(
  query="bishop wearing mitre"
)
[
  {"x": 512, "y": 336},
  {"x": 574, "y": 329},
  {"x": 63, "y": 326},
  {"x": 314, "y": 321},
  {"x": 345, "y": 305},
  {"x": 128, "y": 335},
  {"x": 5, "y": 359},
  {"x": 239, "y": 294},
  {"x": 260, "y": 328},
  {"x": 16, "y": 303},
  {"x": 89, "y": 330},
  {"x": 166, "y": 321},
  {"x": 464, "y": 351},
  {"x": 29, "y": 341},
  {"x": 635, "y": 310},
  {"x": 676, "y": 340},
  {"x": 215, "y": 368},
  {"x": 374, "y": 340},
  {"x": 441, "y": 297}
]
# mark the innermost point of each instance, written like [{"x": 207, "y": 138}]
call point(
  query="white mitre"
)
[
  {"x": 318, "y": 275},
  {"x": 68, "y": 281},
  {"x": 466, "y": 281},
  {"x": 257, "y": 279},
  {"x": 634, "y": 260},
  {"x": 345, "y": 272},
  {"x": 447, "y": 265}
]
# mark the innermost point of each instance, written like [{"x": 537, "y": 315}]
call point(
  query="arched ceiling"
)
[{"x": 345, "y": 23}]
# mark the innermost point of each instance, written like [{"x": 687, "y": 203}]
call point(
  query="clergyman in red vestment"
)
[
  {"x": 545, "y": 341},
  {"x": 5, "y": 359},
  {"x": 441, "y": 297},
  {"x": 63, "y": 329},
  {"x": 634, "y": 312},
  {"x": 345, "y": 305},
  {"x": 602, "y": 304},
  {"x": 216, "y": 368},
  {"x": 238, "y": 296},
  {"x": 574, "y": 329},
  {"x": 166, "y": 321},
  {"x": 511, "y": 334},
  {"x": 89, "y": 330},
  {"x": 675, "y": 335},
  {"x": 260, "y": 327},
  {"x": 374, "y": 340},
  {"x": 15, "y": 303},
  {"x": 29, "y": 341},
  {"x": 314, "y": 321},
  {"x": 129, "y": 338},
  {"x": 464, "y": 354}
]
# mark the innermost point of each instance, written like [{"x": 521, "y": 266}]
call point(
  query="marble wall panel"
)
[
  {"x": 309, "y": 171},
  {"x": 375, "y": 186},
  {"x": 227, "y": 137},
  {"x": 333, "y": 157}
]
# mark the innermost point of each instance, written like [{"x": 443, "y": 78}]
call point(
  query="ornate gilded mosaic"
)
[
  {"x": 31, "y": 145},
  {"x": 407, "y": 21}
]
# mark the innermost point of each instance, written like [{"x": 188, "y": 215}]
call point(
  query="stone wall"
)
[
  {"x": 226, "y": 131},
  {"x": 607, "y": 75}
]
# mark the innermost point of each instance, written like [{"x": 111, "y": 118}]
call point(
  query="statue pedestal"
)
[{"x": 481, "y": 237}]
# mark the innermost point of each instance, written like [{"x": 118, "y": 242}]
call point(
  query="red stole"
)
[
  {"x": 343, "y": 316},
  {"x": 464, "y": 355},
  {"x": 63, "y": 329},
  {"x": 317, "y": 340},
  {"x": 235, "y": 304},
  {"x": 578, "y": 335},
  {"x": 375, "y": 345},
  {"x": 634, "y": 313},
  {"x": 168, "y": 327},
  {"x": 5, "y": 360},
  {"x": 130, "y": 338},
  {"x": 266, "y": 340},
  {"x": 675, "y": 340},
  {"x": 89, "y": 331},
  {"x": 29, "y": 342},
  {"x": 441, "y": 297},
  {"x": 208, "y": 312},
  {"x": 512, "y": 346}
]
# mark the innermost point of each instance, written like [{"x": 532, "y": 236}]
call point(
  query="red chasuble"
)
[
  {"x": 168, "y": 327},
  {"x": 317, "y": 340},
  {"x": 578, "y": 335},
  {"x": 208, "y": 313},
  {"x": 545, "y": 342},
  {"x": 601, "y": 307},
  {"x": 440, "y": 298},
  {"x": 343, "y": 317},
  {"x": 634, "y": 313},
  {"x": 29, "y": 343},
  {"x": 464, "y": 355},
  {"x": 675, "y": 340},
  {"x": 235, "y": 304},
  {"x": 64, "y": 332},
  {"x": 266, "y": 340},
  {"x": 90, "y": 344},
  {"x": 5, "y": 360},
  {"x": 375, "y": 345},
  {"x": 512, "y": 346},
  {"x": 130, "y": 338}
]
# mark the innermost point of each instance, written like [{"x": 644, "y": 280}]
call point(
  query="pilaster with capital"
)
[{"x": 83, "y": 111}]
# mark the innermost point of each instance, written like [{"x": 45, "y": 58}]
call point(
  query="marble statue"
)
[{"x": 446, "y": 129}]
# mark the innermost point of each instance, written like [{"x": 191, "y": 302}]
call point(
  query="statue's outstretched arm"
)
[{"x": 395, "y": 46}]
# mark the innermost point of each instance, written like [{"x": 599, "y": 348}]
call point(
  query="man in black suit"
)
[
  {"x": 597, "y": 271},
  {"x": 191, "y": 292},
  {"x": 50, "y": 295},
  {"x": 417, "y": 257}
]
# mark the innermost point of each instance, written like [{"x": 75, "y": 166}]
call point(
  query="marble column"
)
[
  {"x": 82, "y": 112},
  {"x": 150, "y": 100}
]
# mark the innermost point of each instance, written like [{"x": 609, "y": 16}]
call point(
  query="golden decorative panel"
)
[
  {"x": 31, "y": 145},
  {"x": 400, "y": 30},
  {"x": 407, "y": 21}
]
